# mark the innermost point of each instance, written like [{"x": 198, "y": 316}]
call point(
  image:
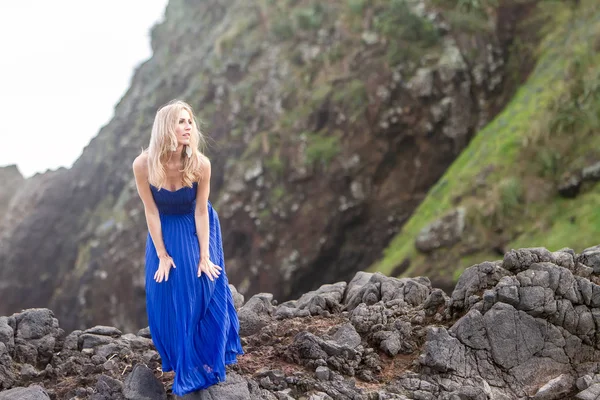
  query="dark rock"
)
[
  {"x": 30, "y": 393},
  {"x": 255, "y": 314},
  {"x": 141, "y": 384},
  {"x": 90, "y": 341},
  {"x": 238, "y": 298},
  {"x": 347, "y": 336},
  {"x": 109, "y": 387},
  {"x": 570, "y": 185},
  {"x": 444, "y": 232},
  {"x": 591, "y": 258},
  {"x": 104, "y": 330},
  {"x": 234, "y": 388},
  {"x": 145, "y": 332}
]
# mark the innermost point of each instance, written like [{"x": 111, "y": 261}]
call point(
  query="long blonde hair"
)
[{"x": 163, "y": 140}]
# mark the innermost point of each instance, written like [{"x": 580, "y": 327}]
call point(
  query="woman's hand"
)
[
  {"x": 164, "y": 266},
  {"x": 211, "y": 270}
]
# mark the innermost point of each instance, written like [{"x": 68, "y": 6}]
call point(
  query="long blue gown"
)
[{"x": 192, "y": 320}]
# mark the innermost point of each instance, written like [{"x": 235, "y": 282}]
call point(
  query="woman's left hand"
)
[{"x": 211, "y": 270}]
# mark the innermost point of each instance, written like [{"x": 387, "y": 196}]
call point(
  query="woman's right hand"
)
[{"x": 164, "y": 267}]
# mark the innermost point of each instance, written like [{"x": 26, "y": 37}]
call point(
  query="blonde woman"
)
[{"x": 192, "y": 320}]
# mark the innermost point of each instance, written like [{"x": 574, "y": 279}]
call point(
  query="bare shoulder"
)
[
  {"x": 204, "y": 165},
  {"x": 140, "y": 164},
  {"x": 204, "y": 161}
]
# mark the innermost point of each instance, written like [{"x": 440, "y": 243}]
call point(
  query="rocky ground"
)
[{"x": 525, "y": 327}]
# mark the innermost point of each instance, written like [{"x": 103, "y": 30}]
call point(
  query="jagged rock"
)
[
  {"x": 555, "y": 389},
  {"x": 7, "y": 335},
  {"x": 474, "y": 280},
  {"x": 145, "y": 332},
  {"x": 255, "y": 314},
  {"x": 141, "y": 384},
  {"x": 347, "y": 336},
  {"x": 591, "y": 393},
  {"x": 521, "y": 259},
  {"x": 109, "y": 388},
  {"x": 591, "y": 258},
  {"x": 323, "y": 301},
  {"x": 238, "y": 298},
  {"x": 72, "y": 340},
  {"x": 30, "y": 393},
  {"x": 104, "y": 331},
  {"x": 234, "y": 388},
  {"x": 525, "y": 331}
]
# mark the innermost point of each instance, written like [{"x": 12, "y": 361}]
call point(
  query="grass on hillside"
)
[{"x": 550, "y": 127}]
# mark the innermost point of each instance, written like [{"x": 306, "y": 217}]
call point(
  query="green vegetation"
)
[
  {"x": 321, "y": 148},
  {"x": 409, "y": 35},
  {"x": 309, "y": 18},
  {"x": 352, "y": 96},
  {"x": 357, "y": 6},
  {"x": 550, "y": 127}
]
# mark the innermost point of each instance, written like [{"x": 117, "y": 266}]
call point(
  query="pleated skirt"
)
[{"x": 193, "y": 321}]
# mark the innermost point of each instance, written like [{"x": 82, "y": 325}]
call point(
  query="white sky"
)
[{"x": 64, "y": 64}]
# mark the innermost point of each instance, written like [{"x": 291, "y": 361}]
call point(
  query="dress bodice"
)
[{"x": 181, "y": 201}]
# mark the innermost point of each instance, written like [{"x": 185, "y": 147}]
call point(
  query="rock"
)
[
  {"x": 6, "y": 333},
  {"x": 474, "y": 280},
  {"x": 324, "y": 300},
  {"x": 34, "y": 392},
  {"x": 104, "y": 330},
  {"x": 234, "y": 388},
  {"x": 591, "y": 393},
  {"x": 421, "y": 84},
  {"x": 347, "y": 336},
  {"x": 145, "y": 333},
  {"x": 322, "y": 373},
  {"x": 72, "y": 340},
  {"x": 141, "y": 384},
  {"x": 255, "y": 314},
  {"x": 108, "y": 386},
  {"x": 555, "y": 389},
  {"x": 569, "y": 185},
  {"x": 369, "y": 38},
  {"x": 90, "y": 341},
  {"x": 443, "y": 232},
  {"x": 320, "y": 396},
  {"x": 238, "y": 298},
  {"x": 28, "y": 372},
  {"x": 591, "y": 173},
  {"x": 591, "y": 258},
  {"x": 359, "y": 280},
  {"x": 36, "y": 323}
]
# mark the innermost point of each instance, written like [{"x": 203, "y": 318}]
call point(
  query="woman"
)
[{"x": 192, "y": 320}]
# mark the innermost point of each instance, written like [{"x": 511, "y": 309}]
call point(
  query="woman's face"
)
[{"x": 183, "y": 129}]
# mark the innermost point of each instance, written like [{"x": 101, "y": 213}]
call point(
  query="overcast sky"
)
[{"x": 64, "y": 64}]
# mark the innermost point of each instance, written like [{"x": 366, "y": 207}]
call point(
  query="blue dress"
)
[{"x": 193, "y": 322}]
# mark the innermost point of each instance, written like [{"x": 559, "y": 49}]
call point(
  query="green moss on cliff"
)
[{"x": 549, "y": 128}]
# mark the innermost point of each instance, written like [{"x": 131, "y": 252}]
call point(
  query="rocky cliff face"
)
[
  {"x": 329, "y": 121},
  {"x": 11, "y": 180},
  {"x": 522, "y": 327},
  {"x": 530, "y": 177}
]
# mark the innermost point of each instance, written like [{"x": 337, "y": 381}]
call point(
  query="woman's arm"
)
[
  {"x": 140, "y": 171},
  {"x": 201, "y": 220}
]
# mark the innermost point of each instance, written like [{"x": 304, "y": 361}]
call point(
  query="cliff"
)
[
  {"x": 329, "y": 123},
  {"x": 530, "y": 177}
]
